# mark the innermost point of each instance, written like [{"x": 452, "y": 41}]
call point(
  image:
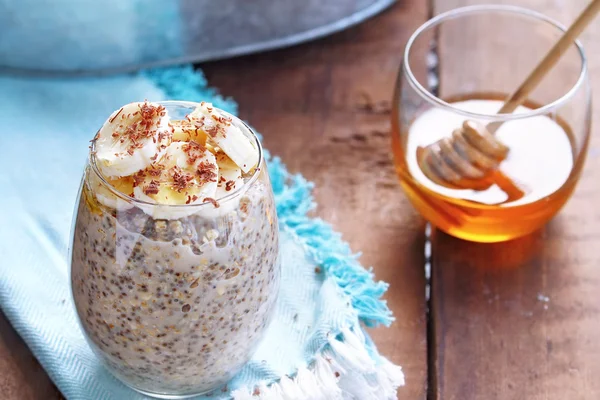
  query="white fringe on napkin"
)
[{"x": 344, "y": 371}]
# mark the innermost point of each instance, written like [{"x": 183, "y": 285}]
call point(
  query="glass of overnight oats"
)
[{"x": 174, "y": 258}]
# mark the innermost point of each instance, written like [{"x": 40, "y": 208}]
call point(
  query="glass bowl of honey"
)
[{"x": 461, "y": 65}]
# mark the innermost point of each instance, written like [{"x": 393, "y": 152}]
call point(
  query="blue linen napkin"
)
[{"x": 315, "y": 347}]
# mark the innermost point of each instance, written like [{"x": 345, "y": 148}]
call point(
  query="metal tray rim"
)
[{"x": 287, "y": 41}]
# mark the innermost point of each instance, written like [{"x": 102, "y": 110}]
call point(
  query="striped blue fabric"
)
[{"x": 45, "y": 126}]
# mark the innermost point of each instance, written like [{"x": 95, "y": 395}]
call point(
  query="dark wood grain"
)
[
  {"x": 21, "y": 376},
  {"x": 520, "y": 320},
  {"x": 313, "y": 105}
]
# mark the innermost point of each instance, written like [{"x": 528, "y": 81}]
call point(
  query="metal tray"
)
[{"x": 87, "y": 37}]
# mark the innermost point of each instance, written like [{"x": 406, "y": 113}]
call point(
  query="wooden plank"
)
[
  {"x": 311, "y": 103},
  {"x": 21, "y": 376},
  {"x": 520, "y": 320}
]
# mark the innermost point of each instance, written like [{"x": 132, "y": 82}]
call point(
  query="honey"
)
[{"x": 541, "y": 163}]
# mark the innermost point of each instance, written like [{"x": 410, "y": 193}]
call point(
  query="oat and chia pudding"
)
[{"x": 175, "y": 247}]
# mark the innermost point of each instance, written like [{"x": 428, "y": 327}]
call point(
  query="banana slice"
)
[
  {"x": 223, "y": 131},
  {"x": 230, "y": 176},
  {"x": 187, "y": 174},
  {"x": 131, "y": 139},
  {"x": 108, "y": 198},
  {"x": 186, "y": 131},
  {"x": 230, "y": 180}
]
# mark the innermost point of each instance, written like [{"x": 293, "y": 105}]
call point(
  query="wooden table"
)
[
  {"x": 521, "y": 320},
  {"x": 324, "y": 108}
]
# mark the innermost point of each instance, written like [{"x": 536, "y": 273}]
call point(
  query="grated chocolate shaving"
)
[
  {"x": 155, "y": 169},
  {"x": 221, "y": 119},
  {"x": 191, "y": 199},
  {"x": 138, "y": 178},
  {"x": 181, "y": 180},
  {"x": 211, "y": 200},
  {"x": 194, "y": 151},
  {"x": 163, "y": 135},
  {"x": 115, "y": 116},
  {"x": 211, "y": 130},
  {"x": 152, "y": 187},
  {"x": 206, "y": 172}
]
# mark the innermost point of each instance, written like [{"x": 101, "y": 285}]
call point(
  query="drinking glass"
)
[
  {"x": 461, "y": 65},
  {"x": 174, "y": 306}
]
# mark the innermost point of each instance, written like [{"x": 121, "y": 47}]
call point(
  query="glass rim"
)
[
  {"x": 477, "y": 9},
  {"x": 143, "y": 203}
]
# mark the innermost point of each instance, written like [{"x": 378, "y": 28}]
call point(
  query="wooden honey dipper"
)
[{"x": 470, "y": 157}]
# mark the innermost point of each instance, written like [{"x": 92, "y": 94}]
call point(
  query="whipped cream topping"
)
[{"x": 148, "y": 156}]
